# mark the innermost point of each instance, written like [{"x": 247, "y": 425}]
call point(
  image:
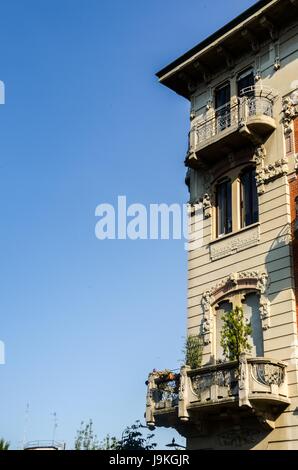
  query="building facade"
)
[{"x": 242, "y": 166}]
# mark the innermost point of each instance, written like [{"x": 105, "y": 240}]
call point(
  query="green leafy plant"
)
[
  {"x": 4, "y": 445},
  {"x": 193, "y": 351},
  {"x": 234, "y": 334},
  {"x": 108, "y": 443},
  {"x": 86, "y": 439},
  {"x": 133, "y": 439}
]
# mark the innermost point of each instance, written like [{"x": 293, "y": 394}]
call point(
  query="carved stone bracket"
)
[
  {"x": 269, "y": 173},
  {"x": 246, "y": 280},
  {"x": 290, "y": 111},
  {"x": 259, "y": 155},
  {"x": 207, "y": 205}
]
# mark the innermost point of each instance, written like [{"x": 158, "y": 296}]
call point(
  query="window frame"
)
[
  {"x": 219, "y": 234},
  {"x": 254, "y": 212}
]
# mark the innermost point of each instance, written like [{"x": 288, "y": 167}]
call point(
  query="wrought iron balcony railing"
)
[{"x": 252, "y": 109}]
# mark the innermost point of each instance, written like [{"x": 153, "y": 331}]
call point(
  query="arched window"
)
[
  {"x": 249, "y": 198},
  {"x": 250, "y": 303},
  {"x": 224, "y": 207}
]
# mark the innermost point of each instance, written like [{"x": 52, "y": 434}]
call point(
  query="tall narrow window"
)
[
  {"x": 223, "y": 107},
  {"x": 249, "y": 198},
  {"x": 224, "y": 208},
  {"x": 251, "y": 308},
  {"x": 245, "y": 83}
]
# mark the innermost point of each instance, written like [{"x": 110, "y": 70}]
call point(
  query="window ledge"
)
[{"x": 235, "y": 242}]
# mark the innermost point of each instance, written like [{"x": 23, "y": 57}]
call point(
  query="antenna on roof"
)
[
  {"x": 55, "y": 425},
  {"x": 26, "y": 425}
]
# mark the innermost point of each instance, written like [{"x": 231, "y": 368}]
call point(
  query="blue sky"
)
[{"x": 85, "y": 120}]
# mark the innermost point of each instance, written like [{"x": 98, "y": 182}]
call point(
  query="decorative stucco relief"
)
[
  {"x": 290, "y": 111},
  {"x": 246, "y": 280},
  {"x": 207, "y": 205},
  {"x": 269, "y": 173},
  {"x": 235, "y": 243}
]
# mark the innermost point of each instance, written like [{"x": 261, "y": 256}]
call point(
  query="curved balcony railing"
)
[
  {"x": 228, "y": 118},
  {"x": 254, "y": 383}
]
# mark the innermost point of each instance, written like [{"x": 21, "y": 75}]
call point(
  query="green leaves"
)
[
  {"x": 86, "y": 439},
  {"x": 193, "y": 351},
  {"x": 234, "y": 334},
  {"x": 4, "y": 445},
  {"x": 132, "y": 439}
]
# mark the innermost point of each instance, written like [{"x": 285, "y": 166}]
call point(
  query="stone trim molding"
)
[{"x": 246, "y": 280}]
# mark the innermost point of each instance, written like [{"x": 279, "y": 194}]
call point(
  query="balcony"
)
[
  {"x": 230, "y": 127},
  {"x": 255, "y": 388}
]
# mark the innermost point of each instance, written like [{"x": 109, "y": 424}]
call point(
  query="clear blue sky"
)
[{"x": 85, "y": 120}]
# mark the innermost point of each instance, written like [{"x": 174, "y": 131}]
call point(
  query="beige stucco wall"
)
[{"x": 271, "y": 253}]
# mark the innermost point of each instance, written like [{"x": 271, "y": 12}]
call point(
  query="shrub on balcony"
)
[
  {"x": 193, "y": 351},
  {"x": 234, "y": 334}
]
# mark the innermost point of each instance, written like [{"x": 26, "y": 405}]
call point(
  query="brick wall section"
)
[{"x": 294, "y": 195}]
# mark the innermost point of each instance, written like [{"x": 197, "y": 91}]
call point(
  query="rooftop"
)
[{"x": 258, "y": 24}]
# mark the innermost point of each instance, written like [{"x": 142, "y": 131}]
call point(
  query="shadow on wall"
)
[{"x": 278, "y": 263}]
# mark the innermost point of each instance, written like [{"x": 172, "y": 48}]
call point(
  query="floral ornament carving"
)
[
  {"x": 268, "y": 374},
  {"x": 271, "y": 172},
  {"x": 289, "y": 111},
  {"x": 206, "y": 302},
  {"x": 265, "y": 312}
]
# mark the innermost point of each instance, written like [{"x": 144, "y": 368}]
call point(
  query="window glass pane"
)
[
  {"x": 249, "y": 198},
  {"x": 224, "y": 208},
  {"x": 222, "y": 106},
  {"x": 251, "y": 308},
  {"x": 245, "y": 80},
  {"x": 222, "y": 95}
]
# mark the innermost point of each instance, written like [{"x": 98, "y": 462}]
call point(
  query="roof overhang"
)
[{"x": 247, "y": 32}]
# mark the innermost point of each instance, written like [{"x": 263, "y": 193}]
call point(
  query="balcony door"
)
[
  {"x": 245, "y": 83},
  {"x": 223, "y": 107}
]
